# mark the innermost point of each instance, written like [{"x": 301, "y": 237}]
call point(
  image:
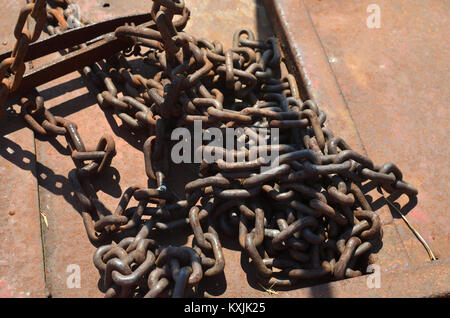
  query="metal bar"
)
[
  {"x": 76, "y": 36},
  {"x": 71, "y": 62}
]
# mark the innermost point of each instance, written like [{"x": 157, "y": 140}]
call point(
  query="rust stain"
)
[
  {"x": 5, "y": 291},
  {"x": 357, "y": 68}
]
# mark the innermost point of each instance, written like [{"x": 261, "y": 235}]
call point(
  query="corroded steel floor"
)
[
  {"x": 392, "y": 79},
  {"x": 383, "y": 100}
]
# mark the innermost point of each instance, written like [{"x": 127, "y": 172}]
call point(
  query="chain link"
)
[{"x": 13, "y": 68}]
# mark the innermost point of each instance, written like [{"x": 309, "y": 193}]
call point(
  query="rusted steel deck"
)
[{"x": 382, "y": 89}]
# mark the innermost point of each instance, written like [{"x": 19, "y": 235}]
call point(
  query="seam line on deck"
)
[
  {"x": 290, "y": 53},
  {"x": 335, "y": 78},
  {"x": 348, "y": 109},
  {"x": 41, "y": 227}
]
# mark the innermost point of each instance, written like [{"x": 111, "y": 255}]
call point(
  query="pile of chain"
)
[{"x": 304, "y": 217}]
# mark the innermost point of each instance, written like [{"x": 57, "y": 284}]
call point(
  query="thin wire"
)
[{"x": 416, "y": 233}]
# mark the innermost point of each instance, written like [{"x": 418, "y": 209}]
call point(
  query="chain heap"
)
[{"x": 303, "y": 218}]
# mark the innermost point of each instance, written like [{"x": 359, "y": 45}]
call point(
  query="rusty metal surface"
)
[
  {"x": 21, "y": 262},
  {"x": 395, "y": 75},
  {"x": 406, "y": 281},
  {"x": 63, "y": 248},
  {"x": 303, "y": 49},
  {"x": 217, "y": 20},
  {"x": 375, "y": 97},
  {"x": 370, "y": 75}
]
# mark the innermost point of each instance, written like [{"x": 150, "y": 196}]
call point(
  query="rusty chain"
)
[
  {"x": 13, "y": 68},
  {"x": 304, "y": 218}
]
